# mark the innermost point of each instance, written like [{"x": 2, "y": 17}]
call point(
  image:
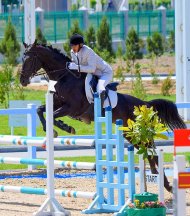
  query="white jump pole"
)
[
  {"x": 179, "y": 202},
  {"x": 51, "y": 206}
]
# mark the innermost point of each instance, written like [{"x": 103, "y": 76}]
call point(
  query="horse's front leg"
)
[
  {"x": 61, "y": 112},
  {"x": 40, "y": 111}
]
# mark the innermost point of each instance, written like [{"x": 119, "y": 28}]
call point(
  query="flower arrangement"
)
[
  {"x": 147, "y": 204},
  {"x": 147, "y": 208}
]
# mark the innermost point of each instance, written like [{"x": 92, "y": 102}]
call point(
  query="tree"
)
[
  {"x": 90, "y": 37},
  {"x": 138, "y": 89},
  {"x": 171, "y": 41},
  {"x": 40, "y": 37},
  {"x": 104, "y": 40},
  {"x": 9, "y": 46},
  {"x": 143, "y": 130},
  {"x": 6, "y": 78},
  {"x": 155, "y": 44},
  {"x": 74, "y": 29},
  {"x": 133, "y": 46},
  {"x": 103, "y": 3},
  {"x": 93, "y": 4}
]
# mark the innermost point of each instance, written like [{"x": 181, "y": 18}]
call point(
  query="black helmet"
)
[{"x": 76, "y": 39}]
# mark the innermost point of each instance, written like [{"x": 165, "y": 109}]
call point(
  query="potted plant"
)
[
  {"x": 141, "y": 133},
  {"x": 146, "y": 208}
]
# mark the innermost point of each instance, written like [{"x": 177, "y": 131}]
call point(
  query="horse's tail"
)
[{"x": 168, "y": 113}]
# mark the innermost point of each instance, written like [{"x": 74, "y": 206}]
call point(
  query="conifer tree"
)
[
  {"x": 9, "y": 46},
  {"x": 104, "y": 40},
  {"x": 155, "y": 45},
  {"x": 133, "y": 46},
  {"x": 40, "y": 37},
  {"x": 75, "y": 29},
  {"x": 90, "y": 37}
]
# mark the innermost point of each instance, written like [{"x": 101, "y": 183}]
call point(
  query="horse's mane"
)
[{"x": 55, "y": 50}]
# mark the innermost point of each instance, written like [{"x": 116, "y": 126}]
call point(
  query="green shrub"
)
[
  {"x": 104, "y": 54},
  {"x": 6, "y": 78},
  {"x": 171, "y": 41},
  {"x": 119, "y": 74},
  {"x": 93, "y": 4},
  {"x": 90, "y": 37},
  {"x": 10, "y": 46},
  {"x": 40, "y": 37},
  {"x": 138, "y": 89},
  {"x": 133, "y": 51},
  {"x": 104, "y": 39},
  {"x": 166, "y": 86}
]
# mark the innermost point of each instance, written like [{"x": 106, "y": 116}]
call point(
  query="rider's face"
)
[{"x": 75, "y": 48}]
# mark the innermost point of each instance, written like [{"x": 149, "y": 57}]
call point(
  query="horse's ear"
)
[
  {"x": 35, "y": 42},
  {"x": 25, "y": 45}
]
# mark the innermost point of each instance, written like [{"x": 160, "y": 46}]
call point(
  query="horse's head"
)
[
  {"x": 31, "y": 63},
  {"x": 43, "y": 56}
]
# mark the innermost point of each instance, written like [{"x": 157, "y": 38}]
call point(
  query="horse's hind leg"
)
[
  {"x": 166, "y": 182},
  {"x": 153, "y": 163}
]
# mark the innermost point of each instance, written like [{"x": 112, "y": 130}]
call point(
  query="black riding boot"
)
[{"x": 102, "y": 97}]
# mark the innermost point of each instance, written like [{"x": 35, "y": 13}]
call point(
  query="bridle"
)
[{"x": 35, "y": 73}]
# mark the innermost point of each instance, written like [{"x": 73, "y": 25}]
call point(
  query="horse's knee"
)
[{"x": 40, "y": 110}]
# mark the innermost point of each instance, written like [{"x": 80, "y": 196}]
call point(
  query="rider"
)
[{"x": 84, "y": 59}]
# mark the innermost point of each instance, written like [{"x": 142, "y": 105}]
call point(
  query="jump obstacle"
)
[
  {"x": 101, "y": 202},
  {"x": 181, "y": 180}
]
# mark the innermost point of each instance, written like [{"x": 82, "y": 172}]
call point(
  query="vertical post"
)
[
  {"x": 131, "y": 171},
  {"x": 160, "y": 176},
  {"x": 120, "y": 158},
  {"x": 31, "y": 131},
  {"x": 125, "y": 22},
  {"x": 141, "y": 174},
  {"x": 50, "y": 145},
  {"x": 29, "y": 21},
  {"x": 98, "y": 136},
  {"x": 180, "y": 205},
  {"x": 179, "y": 53},
  {"x": 162, "y": 10},
  {"x": 85, "y": 17},
  {"x": 51, "y": 206},
  {"x": 186, "y": 54},
  {"x": 0, "y": 6},
  {"x": 40, "y": 18},
  {"x": 109, "y": 154}
]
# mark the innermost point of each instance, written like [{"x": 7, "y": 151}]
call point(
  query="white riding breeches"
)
[{"x": 103, "y": 81}]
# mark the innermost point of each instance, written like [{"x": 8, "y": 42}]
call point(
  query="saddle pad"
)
[{"x": 112, "y": 94}]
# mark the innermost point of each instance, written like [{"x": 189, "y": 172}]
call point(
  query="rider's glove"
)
[{"x": 73, "y": 66}]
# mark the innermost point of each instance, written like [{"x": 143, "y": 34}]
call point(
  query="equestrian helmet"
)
[{"x": 76, "y": 39}]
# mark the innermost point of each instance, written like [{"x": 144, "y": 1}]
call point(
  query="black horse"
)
[{"x": 70, "y": 99}]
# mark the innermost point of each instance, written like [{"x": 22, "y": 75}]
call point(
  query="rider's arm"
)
[{"x": 91, "y": 59}]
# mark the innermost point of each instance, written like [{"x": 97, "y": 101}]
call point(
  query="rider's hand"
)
[{"x": 73, "y": 66}]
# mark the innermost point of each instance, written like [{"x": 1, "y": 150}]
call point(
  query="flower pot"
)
[
  {"x": 146, "y": 212},
  {"x": 144, "y": 197}
]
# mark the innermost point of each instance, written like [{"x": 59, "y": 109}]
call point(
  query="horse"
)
[{"x": 70, "y": 99}]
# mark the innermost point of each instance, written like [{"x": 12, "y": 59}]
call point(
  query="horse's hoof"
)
[{"x": 55, "y": 134}]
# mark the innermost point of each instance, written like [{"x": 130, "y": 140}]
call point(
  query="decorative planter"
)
[
  {"x": 145, "y": 197},
  {"x": 146, "y": 212}
]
